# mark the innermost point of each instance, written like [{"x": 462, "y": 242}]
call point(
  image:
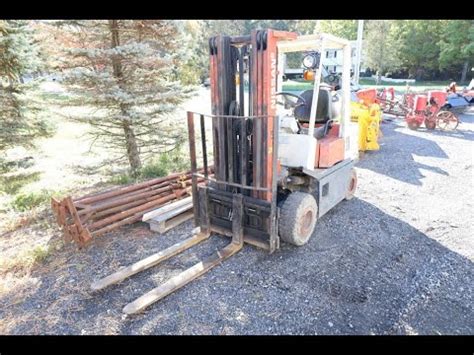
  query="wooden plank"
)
[
  {"x": 166, "y": 208},
  {"x": 173, "y": 213},
  {"x": 164, "y": 226},
  {"x": 148, "y": 262},
  {"x": 181, "y": 279}
]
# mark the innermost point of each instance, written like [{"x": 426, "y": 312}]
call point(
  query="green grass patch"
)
[
  {"x": 13, "y": 183},
  {"x": 26, "y": 258},
  {"x": 297, "y": 86},
  {"x": 40, "y": 253},
  {"x": 121, "y": 179},
  {"x": 166, "y": 164},
  {"x": 163, "y": 165},
  {"x": 154, "y": 168},
  {"x": 53, "y": 97},
  {"x": 419, "y": 83},
  {"x": 27, "y": 200},
  {"x": 370, "y": 82}
]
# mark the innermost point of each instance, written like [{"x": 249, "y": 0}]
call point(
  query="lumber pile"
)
[{"x": 86, "y": 217}]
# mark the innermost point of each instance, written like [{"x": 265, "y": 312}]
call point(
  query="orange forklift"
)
[{"x": 281, "y": 160}]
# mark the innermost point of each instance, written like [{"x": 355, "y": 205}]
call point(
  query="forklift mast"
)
[
  {"x": 227, "y": 58},
  {"x": 244, "y": 136}
]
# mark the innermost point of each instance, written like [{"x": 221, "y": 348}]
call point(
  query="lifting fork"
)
[{"x": 184, "y": 277}]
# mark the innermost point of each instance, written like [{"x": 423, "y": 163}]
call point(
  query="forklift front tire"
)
[{"x": 298, "y": 215}]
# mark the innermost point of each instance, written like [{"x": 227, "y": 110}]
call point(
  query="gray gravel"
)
[{"x": 396, "y": 259}]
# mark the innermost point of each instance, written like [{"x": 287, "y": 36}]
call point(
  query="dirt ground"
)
[{"x": 396, "y": 259}]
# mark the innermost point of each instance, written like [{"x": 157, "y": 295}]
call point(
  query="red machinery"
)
[
  {"x": 389, "y": 104},
  {"x": 427, "y": 109}
]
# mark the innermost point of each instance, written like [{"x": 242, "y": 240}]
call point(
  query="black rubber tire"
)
[
  {"x": 430, "y": 124},
  {"x": 298, "y": 216},
  {"x": 413, "y": 126},
  {"x": 352, "y": 185}
]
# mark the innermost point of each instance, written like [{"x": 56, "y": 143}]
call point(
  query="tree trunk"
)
[
  {"x": 130, "y": 139},
  {"x": 464, "y": 71},
  {"x": 132, "y": 149},
  {"x": 379, "y": 78}
]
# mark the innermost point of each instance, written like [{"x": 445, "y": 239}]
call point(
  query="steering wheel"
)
[{"x": 291, "y": 103}]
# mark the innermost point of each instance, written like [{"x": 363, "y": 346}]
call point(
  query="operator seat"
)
[{"x": 323, "y": 110}]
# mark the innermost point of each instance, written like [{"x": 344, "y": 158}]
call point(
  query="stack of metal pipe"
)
[{"x": 85, "y": 217}]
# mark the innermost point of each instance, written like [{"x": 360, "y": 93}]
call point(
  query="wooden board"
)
[
  {"x": 167, "y": 208},
  {"x": 173, "y": 213},
  {"x": 165, "y": 225}
]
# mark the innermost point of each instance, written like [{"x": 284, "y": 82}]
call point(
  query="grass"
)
[
  {"x": 13, "y": 183},
  {"x": 155, "y": 168},
  {"x": 54, "y": 97},
  {"x": 27, "y": 200},
  {"x": 27, "y": 258},
  {"x": 121, "y": 179},
  {"x": 428, "y": 83},
  {"x": 370, "y": 82},
  {"x": 165, "y": 164},
  {"x": 39, "y": 253}
]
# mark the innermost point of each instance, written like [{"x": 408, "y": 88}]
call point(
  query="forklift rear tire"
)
[
  {"x": 298, "y": 215},
  {"x": 352, "y": 185}
]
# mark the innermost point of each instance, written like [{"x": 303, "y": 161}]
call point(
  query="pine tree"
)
[
  {"x": 21, "y": 118},
  {"x": 126, "y": 71}
]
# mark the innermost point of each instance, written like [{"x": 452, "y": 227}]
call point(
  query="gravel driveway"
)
[{"x": 396, "y": 259}]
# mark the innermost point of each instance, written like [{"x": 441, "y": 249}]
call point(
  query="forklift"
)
[{"x": 273, "y": 162}]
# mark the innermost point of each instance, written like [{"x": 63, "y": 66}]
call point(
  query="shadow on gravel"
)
[
  {"x": 366, "y": 271},
  {"x": 460, "y": 132},
  {"x": 363, "y": 271},
  {"x": 398, "y": 151}
]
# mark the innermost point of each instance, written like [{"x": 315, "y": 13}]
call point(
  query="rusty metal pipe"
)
[
  {"x": 115, "y": 225},
  {"x": 126, "y": 194},
  {"x": 129, "y": 220},
  {"x": 120, "y": 208},
  {"x": 122, "y": 190},
  {"x": 95, "y": 215},
  {"x": 109, "y": 193},
  {"x": 121, "y": 215},
  {"x": 132, "y": 198}
]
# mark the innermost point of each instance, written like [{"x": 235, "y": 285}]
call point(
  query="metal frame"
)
[
  {"x": 243, "y": 192},
  {"x": 322, "y": 41}
]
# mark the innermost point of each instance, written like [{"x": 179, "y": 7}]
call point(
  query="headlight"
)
[{"x": 311, "y": 61}]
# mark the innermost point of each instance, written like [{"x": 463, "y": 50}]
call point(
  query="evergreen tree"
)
[
  {"x": 21, "y": 118},
  {"x": 126, "y": 71}
]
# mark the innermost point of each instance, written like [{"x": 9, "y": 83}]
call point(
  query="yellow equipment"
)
[{"x": 368, "y": 117}]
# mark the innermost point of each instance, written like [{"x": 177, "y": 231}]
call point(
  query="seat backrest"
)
[{"x": 323, "y": 110}]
